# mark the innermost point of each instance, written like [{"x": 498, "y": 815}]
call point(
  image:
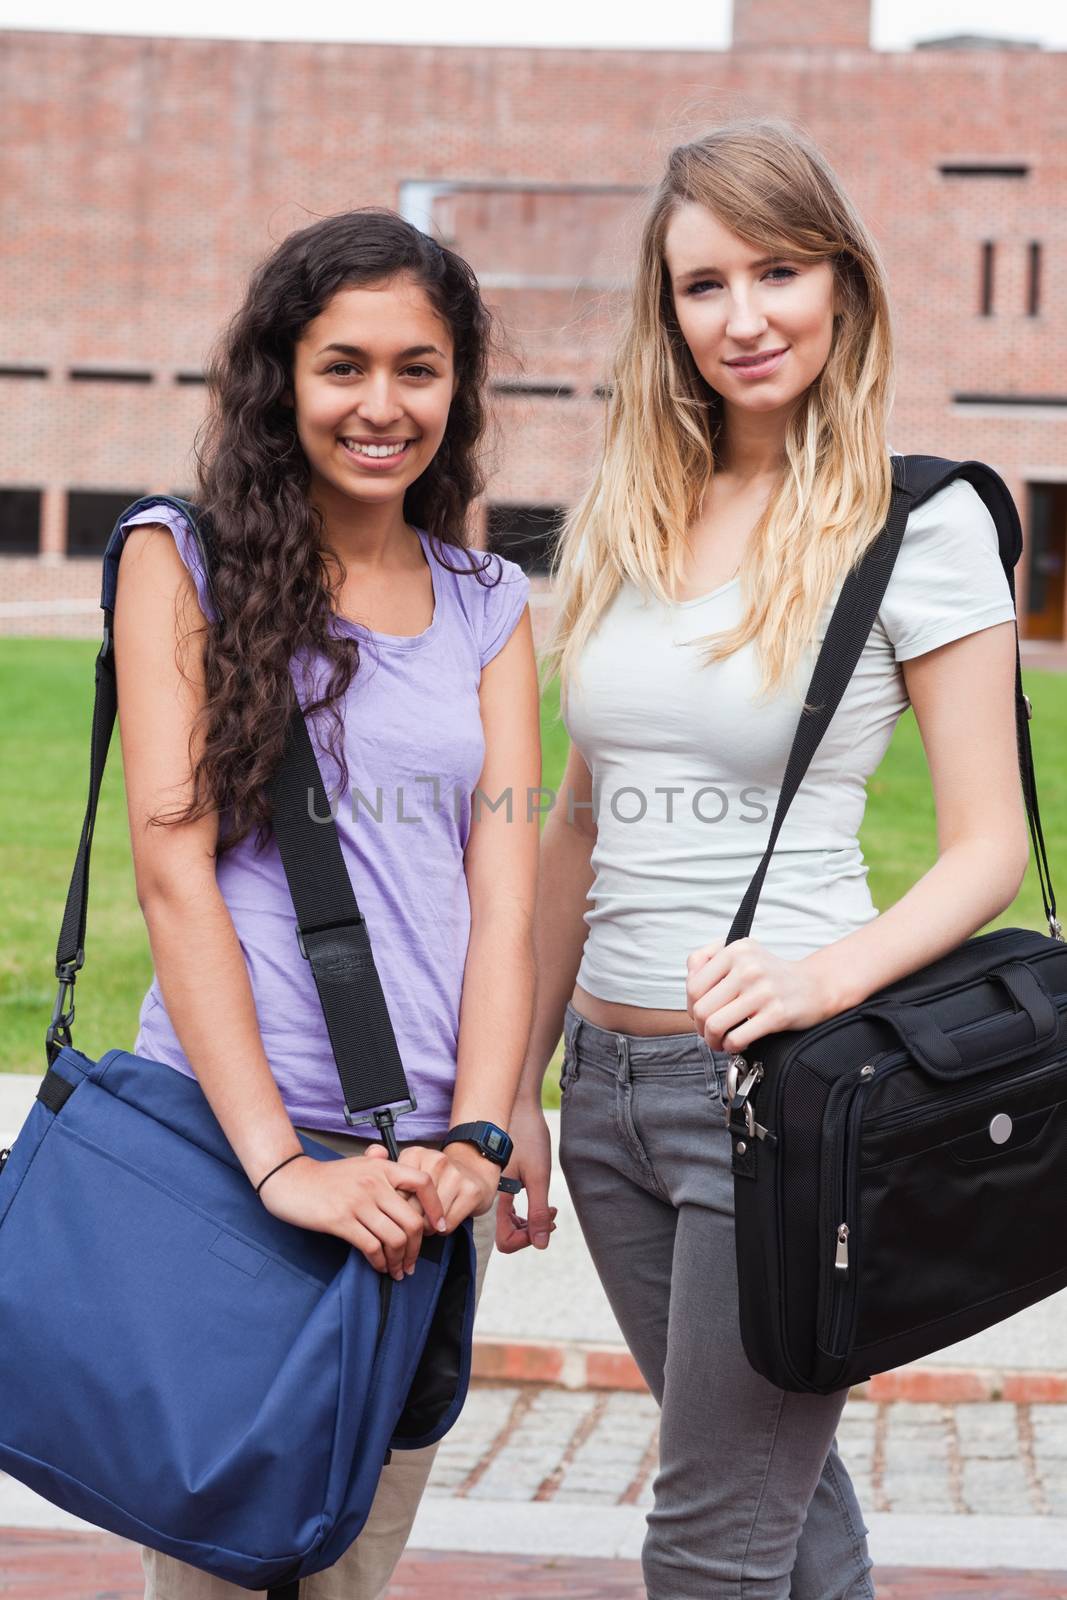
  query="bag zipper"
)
[
  {"x": 917, "y": 1118},
  {"x": 844, "y": 1168},
  {"x": 841, "y": 1183}
]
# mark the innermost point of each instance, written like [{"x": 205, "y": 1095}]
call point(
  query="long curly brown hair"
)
[{"x": 273, "y": 577}]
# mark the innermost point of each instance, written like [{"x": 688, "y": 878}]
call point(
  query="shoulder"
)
[
  {"x": 159, "y": 518},
  {"x": 948, "y": 580},
  {"x": 490, "y": 592}
]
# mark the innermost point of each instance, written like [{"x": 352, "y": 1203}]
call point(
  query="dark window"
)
[
  {"x": 20, "y": 522},
  {"x": 1033, "y": 280},
  {"x": 550, "y": 391},
  {"x": 190, "y": 377},
  {"x": 526, "y": 534},
  {"x": 987, "y": 278},
  {"x": 1052, "y": 400},
  {"x": 1047, "y": 563},
  {"x": 107, "y": 375},
  {"x": 91, "y": 515},
  {"x": 984, "y": 169},
  {"x": 23, "y": 372}
]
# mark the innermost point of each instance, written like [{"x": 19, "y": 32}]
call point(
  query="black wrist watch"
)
[{"x": 491, "y": 1141}]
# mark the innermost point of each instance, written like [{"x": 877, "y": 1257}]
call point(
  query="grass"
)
[{"x": 46, "y": 691}]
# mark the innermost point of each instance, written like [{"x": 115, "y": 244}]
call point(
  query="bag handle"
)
[
  {"x": 331, "y": 931},
  {"x": 915, "y": 479},
  {"x": 1034, "y": 1024}
]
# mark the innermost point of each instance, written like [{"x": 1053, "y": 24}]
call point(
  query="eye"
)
[
  {"x": 341, "y": 368},
  {"x": 419, "y": 371},
  {"x": 701, "y": 284}
]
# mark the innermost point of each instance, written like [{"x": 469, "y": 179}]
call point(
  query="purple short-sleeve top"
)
[{"x": 414, "y": 748}]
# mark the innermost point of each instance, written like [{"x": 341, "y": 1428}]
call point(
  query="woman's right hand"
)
[
  {"x": 363, "y": 1202},
  {"x": 532, "y": 1165}
]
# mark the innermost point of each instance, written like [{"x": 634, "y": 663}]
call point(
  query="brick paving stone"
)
[
  {"x": 1050, "y": 1455},
  {"x": 605, "y": 1466},
  {"x": 484, "y": 1415},
  {"x": 996, "y": 1488},
  {"x": 532, "y": 1452},
  {"x": 42, "y": 1565},
  {"x": 916, "y": 1470},
  {"x": 989, "y": 1430},
  {"x": 911, "y": 1417},
  {"x": 1050, "y": 1430}
]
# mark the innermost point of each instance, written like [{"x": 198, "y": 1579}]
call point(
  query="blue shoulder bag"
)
[{"x": 178, "y": 1365}]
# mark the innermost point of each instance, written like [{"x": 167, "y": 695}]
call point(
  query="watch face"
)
[{"x": 495, "y": 1140}]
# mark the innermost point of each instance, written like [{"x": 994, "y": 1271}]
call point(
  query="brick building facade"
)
[{"x": 143, "y": 177}]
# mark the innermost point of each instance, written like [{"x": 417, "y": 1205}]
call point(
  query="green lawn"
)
[{"x": 46, "y": 693}]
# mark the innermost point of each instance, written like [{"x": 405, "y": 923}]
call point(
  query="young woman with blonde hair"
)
[{"x": 745, "y": 470}]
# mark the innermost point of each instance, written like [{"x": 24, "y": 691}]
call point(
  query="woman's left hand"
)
[
  {"x": 739, "y": 992},
  {"x": 466, "y": 1181}
]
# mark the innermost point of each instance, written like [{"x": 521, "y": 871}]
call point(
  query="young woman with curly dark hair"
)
[{"x": 337, "y": 468}]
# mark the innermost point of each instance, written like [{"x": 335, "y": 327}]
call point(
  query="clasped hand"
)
[
  {"x": 385, "y": 1208},
  {"x": 739, "y": 992}
]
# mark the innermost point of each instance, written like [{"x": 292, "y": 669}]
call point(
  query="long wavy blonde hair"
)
[{"x": 665, "y": 426}]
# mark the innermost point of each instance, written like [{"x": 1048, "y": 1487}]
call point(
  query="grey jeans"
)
[{"x": 751, "y": 1501}]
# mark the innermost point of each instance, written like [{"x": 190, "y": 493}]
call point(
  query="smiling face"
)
[
  {"x": 735, "y": 302},
  {"x": 373, "y": 379}
]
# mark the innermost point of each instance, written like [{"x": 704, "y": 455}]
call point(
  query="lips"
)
[{"x": 757, "y": 360}]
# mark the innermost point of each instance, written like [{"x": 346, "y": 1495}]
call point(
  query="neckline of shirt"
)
[{"x": 404, "y": 641}]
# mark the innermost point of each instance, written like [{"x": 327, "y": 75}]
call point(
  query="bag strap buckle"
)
[
  {"x": 58, "y": 1035},
  {"x": 384, "y": 1119},
  {"x": 740, "y": 1113}
]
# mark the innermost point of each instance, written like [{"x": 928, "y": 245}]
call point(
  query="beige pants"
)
[{"x": 363, "y": 1572}]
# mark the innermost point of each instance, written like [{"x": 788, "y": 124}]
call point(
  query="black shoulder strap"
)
[
  {"x": 915, "y": 479},
  {"x": 331, "y": 932}
]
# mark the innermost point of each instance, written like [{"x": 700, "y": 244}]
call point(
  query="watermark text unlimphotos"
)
[{"x": 407, "y": 805}]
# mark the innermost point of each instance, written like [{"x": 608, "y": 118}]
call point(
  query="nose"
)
[
  {"x": 378, "y": 403},
  {"x": 746, "y": 319}
]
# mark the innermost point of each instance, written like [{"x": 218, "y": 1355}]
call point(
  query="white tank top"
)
[{"x": 686, "y": 766}]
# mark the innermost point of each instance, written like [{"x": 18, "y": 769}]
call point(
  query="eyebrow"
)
[
  {"x": 717, "y": 272},
  {"x": 405, "y": 355}
]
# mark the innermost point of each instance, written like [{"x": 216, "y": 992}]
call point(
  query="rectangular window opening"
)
[
  {"x": 108, "y": 375},
  {"x": 1033, "y": 279},
  {"x": 544, "y": 391},
  {"x": 20, "y": 522},
  {"x": 23, "y": 372},
  {"x": 526, "y": 534},
  {"x": 987, "y": 278},
  {"x": 91, "y": 515},
  {"x": 984, "y": 169},
  {"x": 1046, "y": 562}
]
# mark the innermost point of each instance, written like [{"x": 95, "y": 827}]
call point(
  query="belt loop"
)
[{"x": 577, "y": 1025}]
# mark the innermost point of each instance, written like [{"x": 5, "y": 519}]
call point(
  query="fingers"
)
[
  {"x": 541, "y": 1215},
  {"x": 412, "y": 1181},
  {"x": 513, "y": 1231},
  {"x": 410, "y": 1223},
  {"x": 697, "y": 958}
]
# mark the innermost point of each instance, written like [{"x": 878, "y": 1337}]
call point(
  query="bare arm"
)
[
  {"x": 500, "y": 862},
  {"x": 564, "y": 881},
  {"x": 963, "y": 694},
  {"x": 159, "y": 658}
]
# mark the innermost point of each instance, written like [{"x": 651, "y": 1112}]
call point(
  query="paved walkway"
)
[
  {"x": 543, "y": 1491},
  {"x": 39, "y": 1565}
]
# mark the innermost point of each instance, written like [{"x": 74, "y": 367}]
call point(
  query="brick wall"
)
[{"x": 143, "y": 178}]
